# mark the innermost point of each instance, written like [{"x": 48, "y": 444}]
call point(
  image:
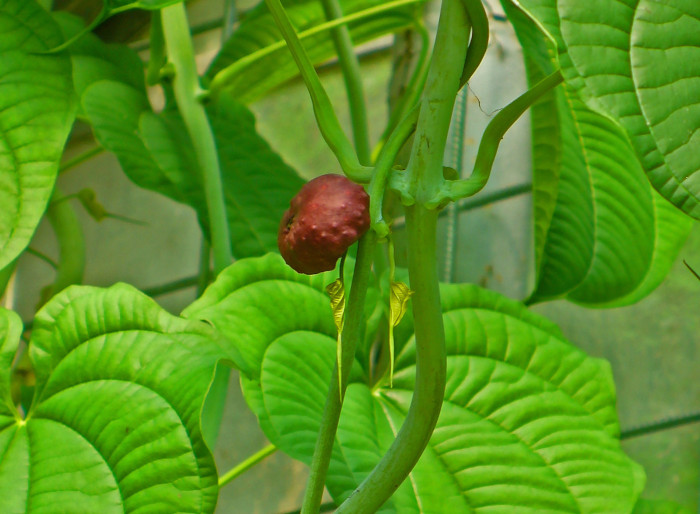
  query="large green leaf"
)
[
  {"x": 36, "y": 114},
  {"x": 603, "y": 236},
  {"x": 115, "y": 421},
  {"x": 639, "y": 61},
  {"x": 528, "y": 423},
  {"x": 155, "y": 150},
  {"x": 258, "y": 32}
]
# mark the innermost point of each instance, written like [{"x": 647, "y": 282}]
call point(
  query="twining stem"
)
[
  {"x": 5, "y": 276},
  {"x": 327, "y": 121},
  {"x": 409, "y": 97},
  {"x": 424, "y": 179},
  {"x": 353, "y": 81},
  {"x": 244, "y": 466},
  {"x": 491, "y": 139},
  {"x": 336, "y": 391},
  {"x": 423, "y": 413},
  {"x": 188, "y": 97},
  {"x": 204, "y": 272},
  {"x": 452, "y": 211},
  {"x": 660, "y": 425},
  {"x": 425, "y": 164},
  {"x": 229, "y": 19}
]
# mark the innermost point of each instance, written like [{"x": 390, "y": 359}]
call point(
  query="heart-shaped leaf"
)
[
  {"x": 639, "y": 61},
  {"x": 528, "y": 422},
  {"x": 266, "y": 68},
  {"x": 115, "y": 421},
  {"x": 37, "y": 108},
  {"x": 155, "y": 150},
  {"x": 603, "y": 236}
]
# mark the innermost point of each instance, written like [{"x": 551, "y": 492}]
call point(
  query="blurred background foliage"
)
[{"x": 653, "y": 346}]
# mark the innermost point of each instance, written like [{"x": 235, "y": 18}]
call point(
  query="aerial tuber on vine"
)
[{"x": 324, "y": 219}]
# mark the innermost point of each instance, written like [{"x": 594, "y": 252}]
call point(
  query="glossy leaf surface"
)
[
  {"x": 528, "y": 422},
  {"x": 36, "y": 115},
  {"x": 115, "y": 421},
  {"x": 258, "y": 32},
  {"x": 603, "y": 236},
  {"x": 639, "y": 62}
]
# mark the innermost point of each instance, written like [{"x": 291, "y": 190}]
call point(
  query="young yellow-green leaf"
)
[
  {"x": 37, "y": 108},
  {"x": 336, "y": 290},
  {"x": 399, "y": 295},
  {"x": 114, "y": 425},
  {"x": 528, "y": 420}
]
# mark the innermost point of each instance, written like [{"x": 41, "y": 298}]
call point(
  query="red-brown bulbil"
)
[{"x": 326, "y": 216}]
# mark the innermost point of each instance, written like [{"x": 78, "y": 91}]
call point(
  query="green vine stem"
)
[
  {"x": 424, "y": 179},
  {"x": 81, "y": 158},
  {"x": 326, "y": 118},
  {"x": 244, "y": 466},
  {"x": 353, "y": 81},
  {"x": 411, "y": 96},
  {"x": 336, "y": 391},
  {"x": 5, "y": 276},
  {"x": 457, "y": 160},
  {"x": 187, "y": 95},
  {"x": 71, "y": 244},
  {"x": 424, "y": 172},
  {"x": 422, "y": 416},
  {"x": 203, "y": 276},
  {"x": 480, "y": 38},
  {"x": 386, "y": 158},
  {"x": 229, "y": 19},
  {"x": 491, "y": 139}
]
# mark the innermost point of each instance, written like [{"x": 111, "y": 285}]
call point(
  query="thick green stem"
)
[
  {"x": 246, "y": 464},
  {"x": 334, "y": 400},
  {"x": 425, "y": 165},
  {"x": 204, "y": 258},
  {"x": 425, "y": 178},
  {"x": 353, "y": 81},
  {"x": 429, "y": 390},
  {"x": 187, "y": 95}
]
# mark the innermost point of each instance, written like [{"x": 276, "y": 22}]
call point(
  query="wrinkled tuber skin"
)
[{"x": 326, "y": 216}]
